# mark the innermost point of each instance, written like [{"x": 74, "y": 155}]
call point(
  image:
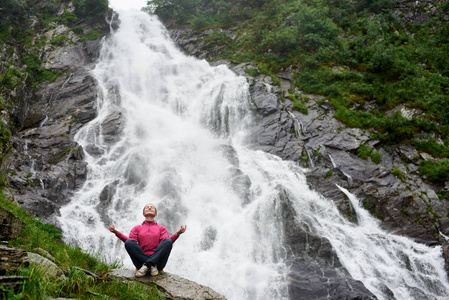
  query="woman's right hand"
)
[{"x": 112, "y": 228}]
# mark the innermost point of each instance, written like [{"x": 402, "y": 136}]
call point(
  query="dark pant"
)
[{"x": 158, "y": 259}]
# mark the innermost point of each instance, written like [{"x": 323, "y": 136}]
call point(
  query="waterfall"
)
[{"x": 171, "y": 130}]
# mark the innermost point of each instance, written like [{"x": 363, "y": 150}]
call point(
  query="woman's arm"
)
[
  {"x": 175, "y": 236},
  {"x": 118, "y": 234},
  {"x": 181, "y": 230}
]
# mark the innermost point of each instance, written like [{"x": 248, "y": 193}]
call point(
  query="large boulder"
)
[{"x": 172, "y": 286}]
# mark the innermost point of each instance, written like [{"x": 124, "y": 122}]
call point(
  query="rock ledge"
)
[{"x": 172, "y": 286}]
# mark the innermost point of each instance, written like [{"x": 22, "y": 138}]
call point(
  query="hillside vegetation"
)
[{"x": 358, "y": 54}]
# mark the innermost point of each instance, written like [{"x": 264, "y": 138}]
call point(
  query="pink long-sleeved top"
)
[{"x": 148, "y": 235}]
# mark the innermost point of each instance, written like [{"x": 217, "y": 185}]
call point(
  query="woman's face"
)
[{"x": 149, "y": 210}]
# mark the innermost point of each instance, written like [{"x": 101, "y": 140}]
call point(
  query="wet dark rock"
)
[
  {"x": 315, "y": 270},
  {"x": 263, "y": 99},
  {"x": 112, "y": 127},
  {"x": 208, "y": 238},
  {"x": 241, "y": 184},
  {"x": 10, "y": 226},
  {"x": 445, "y": 249},
  {"x": 106, "y": 196},
  {"x": 12, "y": 259},
  {"x": 238, "y": 181},
  {"x": 45, "y": 164}
]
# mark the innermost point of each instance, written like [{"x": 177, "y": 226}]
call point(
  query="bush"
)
[
  {"x": 433, "y": 148},
  {"x": 364, "y": 151},
  {"x": 397, "y": 172},
  {"x": 10, "y": 78},
  {"x": 10, "y": 7},
  {"x": 298, "y": 105},
  {"x": 376, "y": 157},
  {"x": 177, "y": 10},
  {"x": 59, "y": 40},
  {"x": 435, "y": 171},
  {"x": 91, "y": 9},
  {"x": 68, "y": 17},
  {"x": 78, "y": 29},
  {"x": 93, "y": 34}
]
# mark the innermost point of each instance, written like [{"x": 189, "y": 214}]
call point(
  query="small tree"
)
[{"x": 90, "y": 8}]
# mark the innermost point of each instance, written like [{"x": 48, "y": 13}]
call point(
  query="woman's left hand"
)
[{"x": 182, "y": 229}]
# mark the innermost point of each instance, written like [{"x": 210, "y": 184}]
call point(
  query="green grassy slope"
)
[{"x": 76, "y": 284}]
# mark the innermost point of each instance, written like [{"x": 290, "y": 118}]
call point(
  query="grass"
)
[{"x": 76, "y": 284}]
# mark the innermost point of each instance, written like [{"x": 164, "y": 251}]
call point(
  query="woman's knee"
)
[
  {"x": 130, "y": 243},
  {"x": 167, "y": 242}
]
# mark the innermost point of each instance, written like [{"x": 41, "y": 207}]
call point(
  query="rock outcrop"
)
[
  {"x": 11, "y": 259},
  {"x": 417, "y": 12},
  {"x": 171, "y": 286},
  {"x": 45, "y": 165},
  {"x": 11, "y": 226}
]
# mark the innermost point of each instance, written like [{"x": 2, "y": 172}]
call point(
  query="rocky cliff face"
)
[{"x": 44, "y": 165}]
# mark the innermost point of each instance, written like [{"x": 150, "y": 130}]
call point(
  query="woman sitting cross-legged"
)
[{"x": 148, "y": 245}]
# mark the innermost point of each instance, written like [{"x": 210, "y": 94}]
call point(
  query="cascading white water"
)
[{"x": 182, "y": 144}]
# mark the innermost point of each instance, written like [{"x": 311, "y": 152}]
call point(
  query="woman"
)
[{"x": 148, "y": 245}]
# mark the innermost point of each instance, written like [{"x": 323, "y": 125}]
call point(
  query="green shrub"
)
[
  {"x": 433, "y": 147},
  {"x": 59, "y": 40},
  {"x": 91, "y": 8},
  {"x": 376, "y": 157},
  {"x": 45, "y": 75},
  {"x": 93, "y": 34},
  {"x": 364, "y": 151},
  {"x": 435, "y": 171},
  {"x": 397, "y": 172},
  {"x": 50, "y": 8},
  {"x": 298, "y": 105},
  {"x": 5, "y": 136},
  {"x": 254, "y": 72},
  {"x": 9, "y": 7},
  {"x": 68, "y": 17},
  {"x": 178, "y": 10},
  {"x": 10, "y": 78},
  {"x": 78, "y": 29}
]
